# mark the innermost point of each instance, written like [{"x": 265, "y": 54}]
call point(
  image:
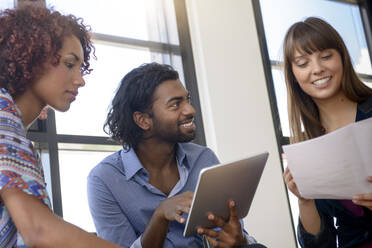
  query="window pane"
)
[
  {"x": 88, "y": 113},
  {"x": 293, "y": 201},
  {"x": 6, "y": 4},
  {"x": 345, "y": 18},
  {"x": 281, "y": 99},
  {"x": 369, "y": 84},
  {"x": 74, "y": 168},
  {"x": 44, "y": 157},
  {"x": 140, "y": 19}
]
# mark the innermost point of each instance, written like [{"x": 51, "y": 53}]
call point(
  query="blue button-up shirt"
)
[{"x": 122, "y": 201}]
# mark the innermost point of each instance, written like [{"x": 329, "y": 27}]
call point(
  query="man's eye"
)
[{"x": 176, "y": 104}]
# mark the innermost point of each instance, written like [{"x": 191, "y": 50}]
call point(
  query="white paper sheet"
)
[{"x": 335, "y": 165}]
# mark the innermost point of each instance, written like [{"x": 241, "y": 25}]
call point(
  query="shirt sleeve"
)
[
  {"x": 20, "y": 166},
  {"x": 137, "y": 243},
  {"x": 325, "y": 239},
  {"x": 250, "y": 239},
  {"x": 110, "y": 222},
  {"x": 208, "y": 158}
]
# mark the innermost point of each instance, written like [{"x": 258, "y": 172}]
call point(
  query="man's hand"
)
[
  {"x": 168, "y": 210},
  {"x": 172, "y": 208},
  {"x": 231, "y": 234},
  {"x": 364, "y": 200}
]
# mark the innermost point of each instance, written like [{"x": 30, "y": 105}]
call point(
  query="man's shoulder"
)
[
  {"x": 198, "y": 155},
  {"x": 108, "y": 164},
  {"x": 192, "y": 148}
]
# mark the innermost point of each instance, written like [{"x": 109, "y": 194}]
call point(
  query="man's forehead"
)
[{"x": 169, "y": 89}]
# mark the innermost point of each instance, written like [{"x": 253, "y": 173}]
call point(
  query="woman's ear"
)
[{"x": 143, "y": 120}]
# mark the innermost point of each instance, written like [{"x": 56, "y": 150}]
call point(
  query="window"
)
[
  {"x": 126, "y": 34},
  {"x": 345, "y": 18},
  {"x": 118, "y": 22},
  {"x": 272, "y": 26},
  {"x": 75, "y": 162},
  {"x": 6, "y": 4}
]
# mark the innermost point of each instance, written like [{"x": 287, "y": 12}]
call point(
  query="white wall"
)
[{"x": 235, "y": 106}]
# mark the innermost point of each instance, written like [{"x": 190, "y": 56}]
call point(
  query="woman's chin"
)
[{"x": 63, "y": 108}]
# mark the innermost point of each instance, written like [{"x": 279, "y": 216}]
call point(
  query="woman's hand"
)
[
  {"x": 288, "y": 179},
  {"x": 364, "y": 200},
  {"x": 230, "y": 235}
]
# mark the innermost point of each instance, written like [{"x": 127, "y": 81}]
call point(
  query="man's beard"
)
[{"x": 183, "y": 138}]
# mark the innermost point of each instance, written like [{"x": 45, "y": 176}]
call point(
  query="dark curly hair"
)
[
  {"x": 32, "y": 35},
  {"x": 135, "y": 93}
]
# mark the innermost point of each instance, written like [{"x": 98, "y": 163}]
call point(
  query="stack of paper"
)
[{"x": 335, "y": 165}]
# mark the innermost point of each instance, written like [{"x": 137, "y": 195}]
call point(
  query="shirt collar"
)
[
  {"x": 132, "y": 164},
  {"x": 181, "y": 156}
]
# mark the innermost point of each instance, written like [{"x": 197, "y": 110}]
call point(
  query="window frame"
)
[
  {"x": 365, "y": 8},
  {"x": 44, "y": 133}
]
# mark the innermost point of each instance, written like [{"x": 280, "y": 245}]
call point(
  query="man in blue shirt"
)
[{"x": 138, "y": 196}]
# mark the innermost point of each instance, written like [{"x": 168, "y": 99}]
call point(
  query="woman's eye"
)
[
  {"x": 69, "y": 65},
  {"x": 303, "y": 64},
  {"x": 326, "y": 56}
]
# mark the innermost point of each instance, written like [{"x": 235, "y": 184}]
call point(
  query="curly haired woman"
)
[{"x": 43, "y": 57}]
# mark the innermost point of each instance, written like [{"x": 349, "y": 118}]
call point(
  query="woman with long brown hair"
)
[{"x": 325, "y": 94}]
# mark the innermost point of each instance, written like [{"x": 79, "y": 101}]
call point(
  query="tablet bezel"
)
[{"x": 217, "y": 184}]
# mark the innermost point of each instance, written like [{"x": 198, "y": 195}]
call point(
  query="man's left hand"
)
[{"x": 230, "y": 235}]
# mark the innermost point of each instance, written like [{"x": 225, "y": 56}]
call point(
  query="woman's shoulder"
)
[
  {"x": 366, "y": 106},
  {"x": 365, "y": 109}
]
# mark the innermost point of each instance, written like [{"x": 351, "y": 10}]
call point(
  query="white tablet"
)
[{"x": 218, "y": 184}]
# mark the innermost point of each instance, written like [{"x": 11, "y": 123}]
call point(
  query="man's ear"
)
[{"x": 143, "y": 120}]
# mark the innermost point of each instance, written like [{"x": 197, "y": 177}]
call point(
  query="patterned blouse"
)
[{"x": 20, "y": 167}]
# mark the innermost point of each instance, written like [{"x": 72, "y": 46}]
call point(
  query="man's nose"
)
[{"x": 188, "y": 109}]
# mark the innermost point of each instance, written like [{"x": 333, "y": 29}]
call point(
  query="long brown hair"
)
[{"x": 309, "y": 36}]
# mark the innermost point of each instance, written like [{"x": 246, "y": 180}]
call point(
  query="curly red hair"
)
[{"x": 31, "y": 36}]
